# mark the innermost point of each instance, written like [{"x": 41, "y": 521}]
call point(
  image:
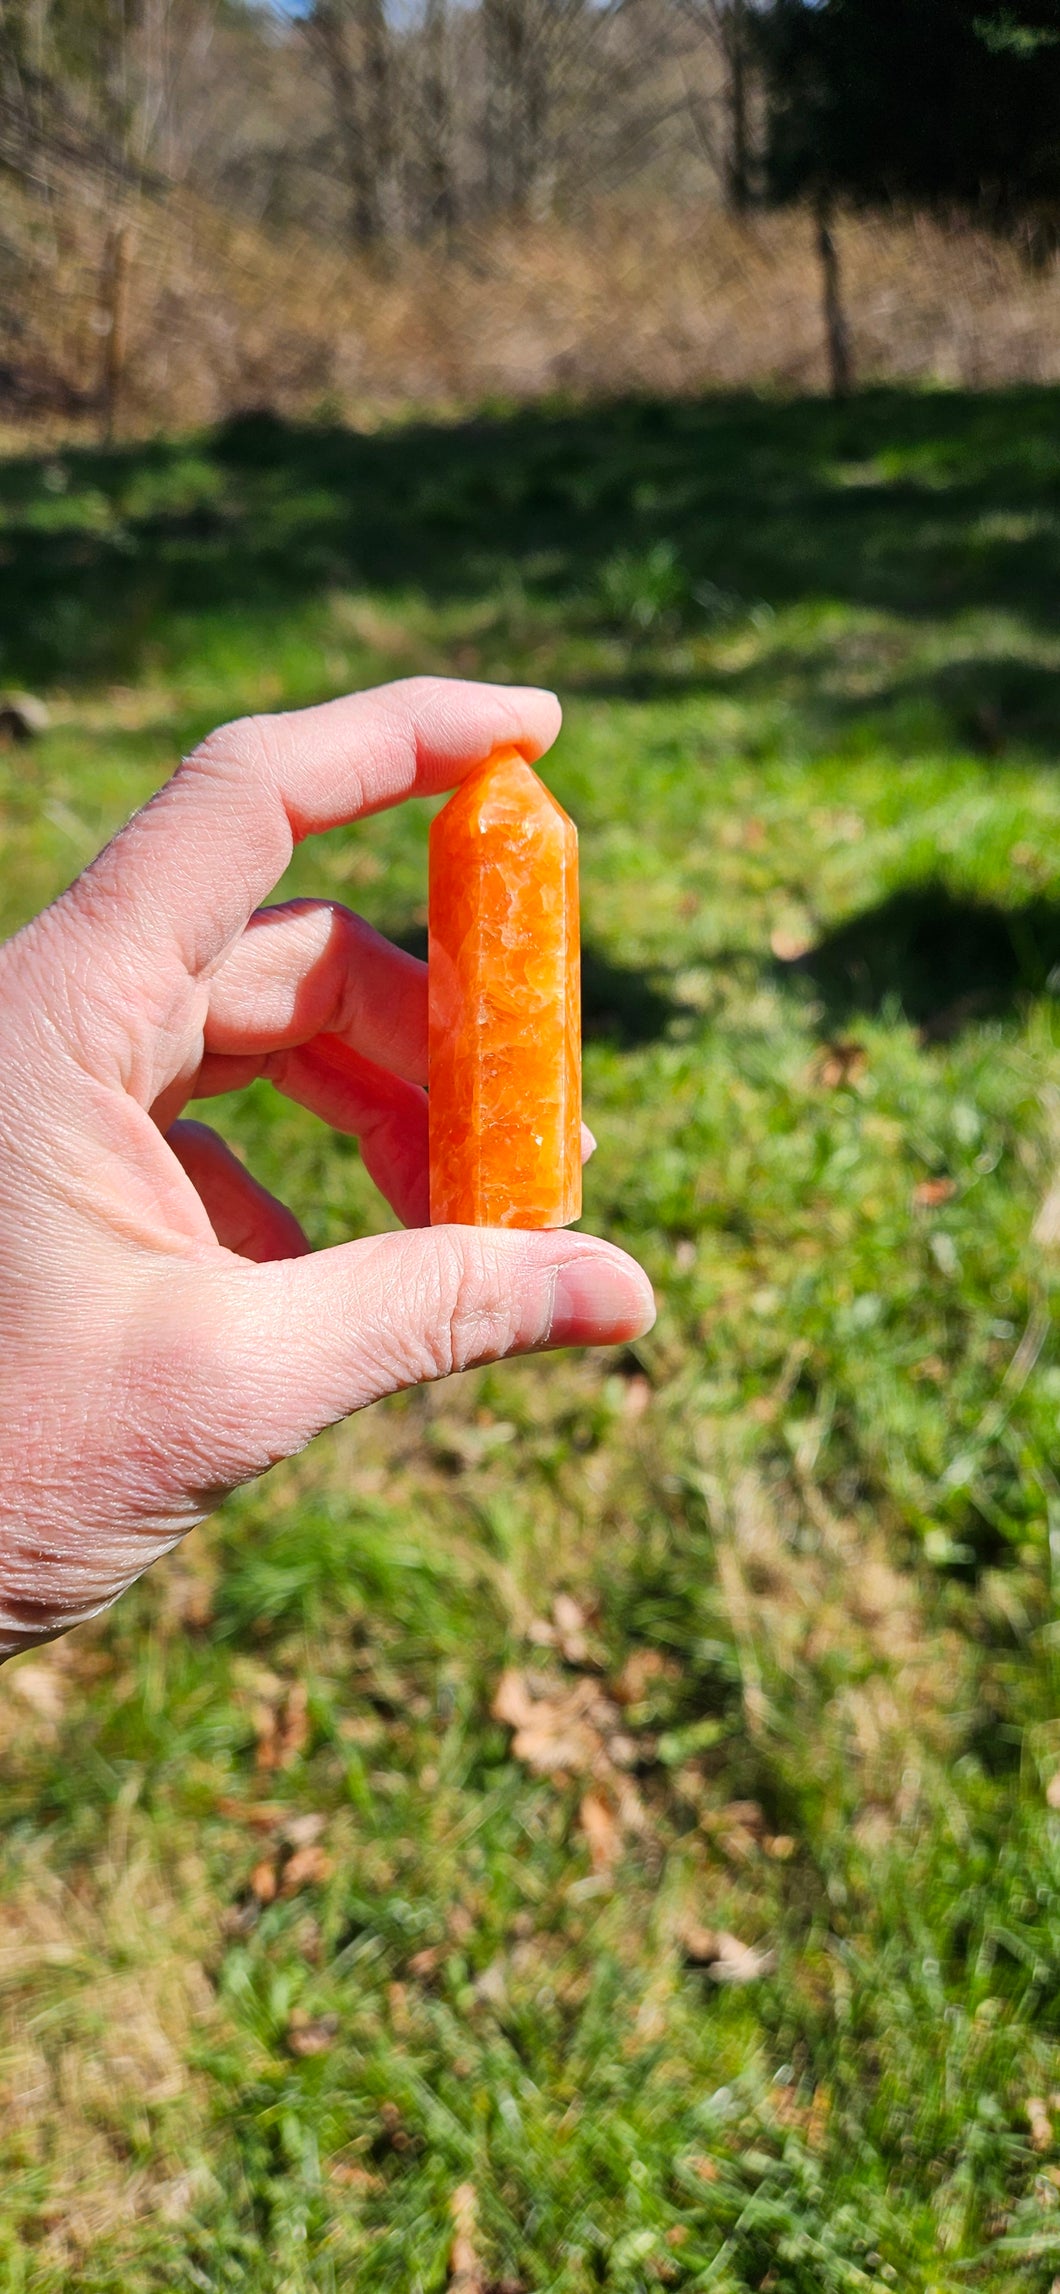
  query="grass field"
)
[{"x": 588, "y": 1825}]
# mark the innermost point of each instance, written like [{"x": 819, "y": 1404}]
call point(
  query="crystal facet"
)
[{"x": 505, "y": 1006}]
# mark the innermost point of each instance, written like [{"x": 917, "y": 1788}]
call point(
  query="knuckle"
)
[
  {"x": 473, "y": 1320},
  {"x": 241, "y": 746},
  {"x": 446, "y": 1312}
]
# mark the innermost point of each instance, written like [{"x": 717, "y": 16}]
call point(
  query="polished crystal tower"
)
[{"x": 505, "y": 1004}]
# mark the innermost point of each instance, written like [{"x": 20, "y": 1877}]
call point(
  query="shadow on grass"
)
[
  {"x": 942, "y": 960},
  {"x": 631, "y": 516},
  {"x": 988, "y": 703},
  {"x": 621, "y": 1004}
]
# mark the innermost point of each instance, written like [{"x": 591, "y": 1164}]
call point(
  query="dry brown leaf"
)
[
  {"x": 724, "y": 1958},
  {"x": 311, "y": 2034},
  {"x": 395, "y": 2132},
  {"x": 307, "y": 1868},
  {"x": 747, "y": 1813},
  {"x": 641, "y": 1668},
  {"x": 308, "y": 1940},
  {"x": 397, "y": 2007},
  {"x": 929, "y": 1193},
  {"x": 281, "y": 1727},
  {"x": 563, "y": 1730},
  {"x": 1040, "y": 2123},
  {"x": 602, "y": 1830},
  {"x": 564, "y": 1630},
  {"x": 466, "y": 2274},
  {"x": 425, "y": 1964},
  {"x": 353, "y": 2177},
  {"x": 263, "y": 1881},
  {"x": 491, "y": 1987},
  {"x": 302, "y": 1831},
  {"x": 542, "y": 1632},
  {"x": 1052, "y": 1791},
  {"x": 637, "y": 1395},
  {"x": 569, "y": 1619},
  {"x": 240, "y": 1919},
  {"x": 738, "y": 1828},
  {"x": 789, "y": 942},
  {"x": 258, "y": 1816},
  {"x": 738, "y": 1845},
  {"x": 781, "y": 1846},
  {"x": 557, "y": 1729},
  {"x": 839, "y": 1063},
  {"x": 39, "y": 1686}
]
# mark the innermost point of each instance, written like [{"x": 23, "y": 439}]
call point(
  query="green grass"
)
[{"x": 811, "y": 670}]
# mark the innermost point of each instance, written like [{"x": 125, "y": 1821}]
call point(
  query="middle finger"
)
[{"x": 309, "y": 968}]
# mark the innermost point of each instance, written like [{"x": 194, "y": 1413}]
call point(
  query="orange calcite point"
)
[{"x": 505, "y": 1004}]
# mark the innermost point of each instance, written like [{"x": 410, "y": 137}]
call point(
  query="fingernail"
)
[
  {"x": 600, "y": 1301},
  {"x": 588, "y": 1142}
]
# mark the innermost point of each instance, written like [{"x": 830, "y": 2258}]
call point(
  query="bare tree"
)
[
  {"x": 353, "y": 37},
  {"x": 517, "y": 100},
  {"x": 724, "y": 114},
  {"x": 441, "y": 199},
  {"x": 734, "y": 41}
]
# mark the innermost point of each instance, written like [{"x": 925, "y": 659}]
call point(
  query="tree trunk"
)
[
  {"x": 441, "y": 196},
  {"x": 378, "y": 129},
  {"x": 113, "y": 319},
  {"x": 738, "y": 147},
  {"x": 517, "y": 104},
  {"x": 836, "y": 329},
  {"x": 358, "y": 106}
]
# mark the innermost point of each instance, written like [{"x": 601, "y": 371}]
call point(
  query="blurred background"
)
[
  {"x": 594, "y": 1823},
  {"x": 339, "y": 205}
]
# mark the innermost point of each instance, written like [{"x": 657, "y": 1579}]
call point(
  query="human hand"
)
[{"x": 163, "y": 1334}]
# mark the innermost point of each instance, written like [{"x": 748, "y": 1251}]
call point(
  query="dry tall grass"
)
[{"x": 666, "y": 300}]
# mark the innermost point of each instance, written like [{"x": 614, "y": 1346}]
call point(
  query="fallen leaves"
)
[
  {"x": 264, "y": 1880},
  {"x": 839, "y": 1064},
  {"x": 295, "y": 1860},
  {"x": 306, "y": 1868},
  {"x": 350, "y": 2176},
  {"x": 40, "y": 1687},
  {"x": 599, "y": 1822},
  {"x": 311, "y": 2034},
  {"x": 281, "y": 1726},
  {"x": 740, "y": 1830},
  {"x": 257, "y": 1815},
  {"x": 565, "y": 1631},
  {"x": 637, "y": 1396},
  {"x": 564, "y": 1731},
  {"x": 466, "y": 2274},
  {"x": 930, "y": 1194},
  {"x": 424, "y": 1965},
  {"x": 791, "y": 941},
  {"x": 722, "y": 1956},
  {"x": 1039, "y": 2122},
  {"x": 644, "y": 1669}
]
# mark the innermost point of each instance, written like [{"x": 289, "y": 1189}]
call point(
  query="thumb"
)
[{"x": 316, "y": 1338}]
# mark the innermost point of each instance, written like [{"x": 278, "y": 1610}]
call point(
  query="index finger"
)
[{"x": 185, "y": 875}]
